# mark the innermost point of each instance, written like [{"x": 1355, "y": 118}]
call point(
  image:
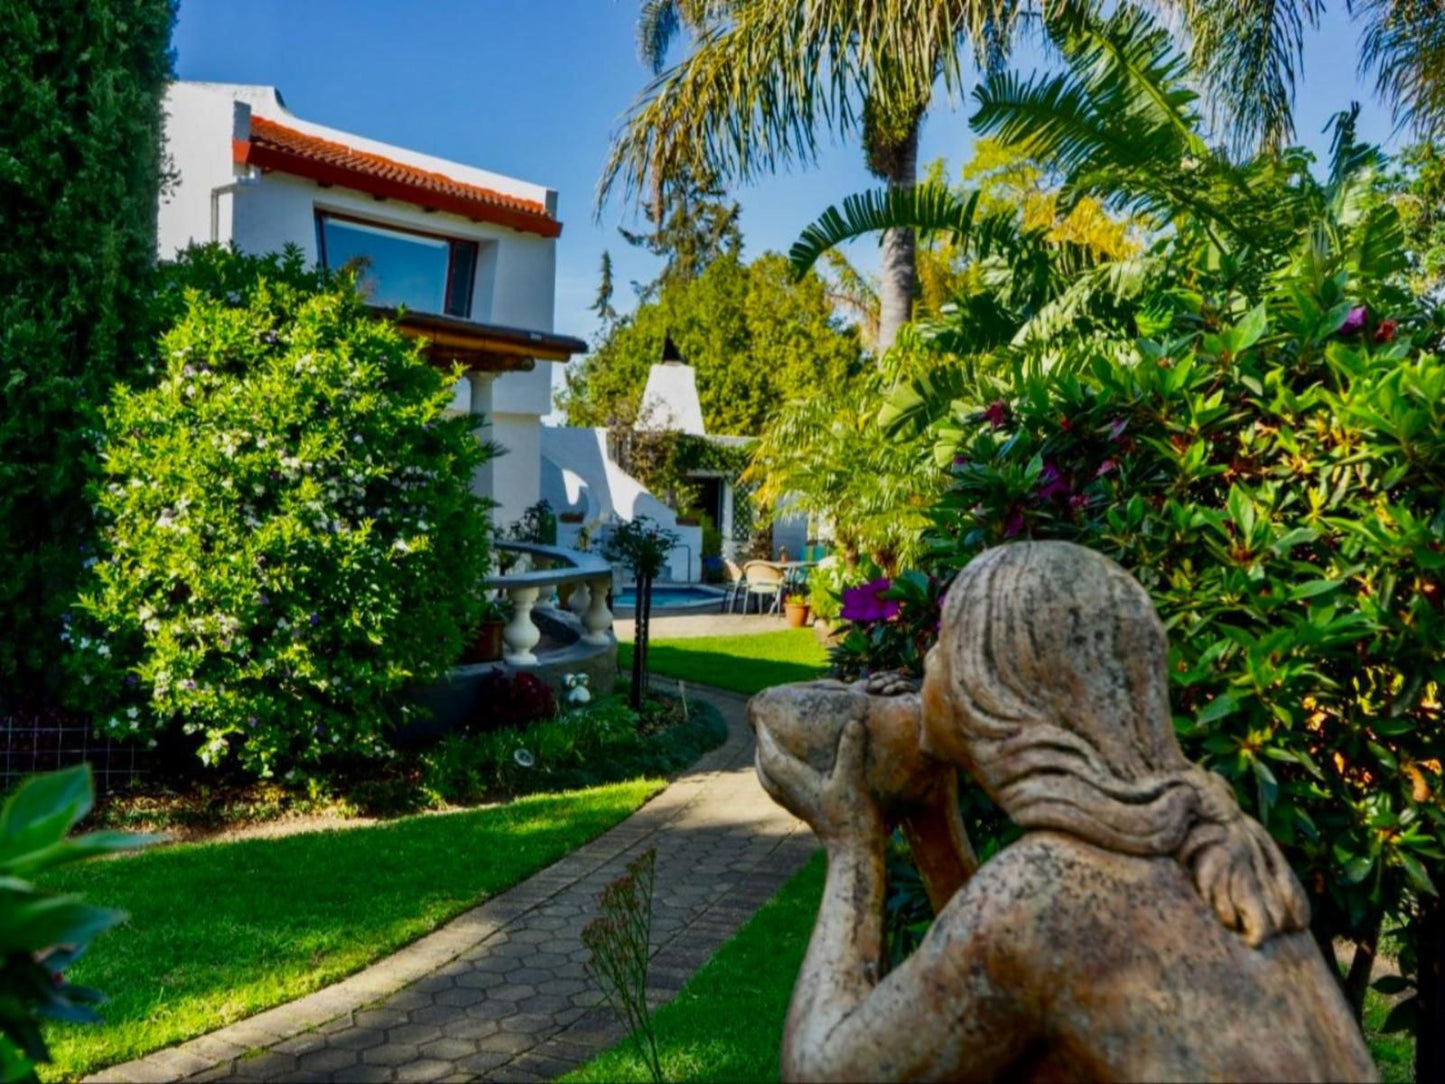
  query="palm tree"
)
[
  {"x": 1249, "y": 54},
  {"x": 766, "y": 78}
]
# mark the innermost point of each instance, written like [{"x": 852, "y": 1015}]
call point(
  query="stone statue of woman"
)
[{"x": 1143, "y": 928}]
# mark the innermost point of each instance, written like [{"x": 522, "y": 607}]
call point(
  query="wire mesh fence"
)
[{"x": 44, "y": 743}]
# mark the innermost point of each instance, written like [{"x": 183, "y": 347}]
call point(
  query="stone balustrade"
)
[{"x": 581, "y": 579}]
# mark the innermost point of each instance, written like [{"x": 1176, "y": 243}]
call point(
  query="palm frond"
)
[
  {"x": 766, "y": 78},
  {"x": 1404, "y": 45},
  {"x": 1249, "y": 53},
  {"x": 927, "y": 208}
]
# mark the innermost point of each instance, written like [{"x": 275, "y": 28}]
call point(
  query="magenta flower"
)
[
  {"x": 867, "y": 603},
  {"x": 1106, "y": 467},
  {"x": 1117, "y": 427},
  {"x": 1354, "y": 321},
  {"x": 1054, "y": 484},
  {"x": 1078, "y": 502},
  {"x": 997, "y": 414},
  {"x": 1014, "y": 525}
]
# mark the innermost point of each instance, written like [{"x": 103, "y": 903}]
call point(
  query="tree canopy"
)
[{"x": 755, "y": 337}]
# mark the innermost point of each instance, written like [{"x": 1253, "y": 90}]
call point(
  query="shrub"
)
[
  {"x": 289, "y": 536},
  {"x": 80, "y": 153},
  {"x": 511, "y": 700},
  {"x": 604, "y": 742},
  {"x": 1277, "y": 482}
]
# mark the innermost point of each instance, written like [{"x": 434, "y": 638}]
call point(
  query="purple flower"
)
[
  {"x": 867, "y": 603},
  {"x": 1014, "y": 525},
  {"x": 315, "y": 620},
  {"x": 1117, "y": 427},
  {"x": 997, "y": 414},
  {"x": 1106, "y": 467},
  {"x": 1054, "y": 484},
  {"x": 960, "y": 461},
  {"x": 1354, "y": 321}
]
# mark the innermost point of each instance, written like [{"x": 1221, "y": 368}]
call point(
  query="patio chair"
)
[
  {"x": 736, "y": 587},
  {"x": 764, "y": 579}
]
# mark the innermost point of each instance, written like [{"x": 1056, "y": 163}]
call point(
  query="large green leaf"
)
[{"x": 928, "y": 208}]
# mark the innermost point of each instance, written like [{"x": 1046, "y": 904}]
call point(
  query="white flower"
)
[{"x": 132, "y": 711}]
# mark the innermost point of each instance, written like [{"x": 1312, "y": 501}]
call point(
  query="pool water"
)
[{"x": 668, "y": 598}]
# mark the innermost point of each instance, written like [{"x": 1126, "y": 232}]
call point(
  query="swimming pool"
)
[{"x": 671, "y": 597}]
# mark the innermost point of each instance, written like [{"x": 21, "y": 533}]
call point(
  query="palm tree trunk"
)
[{"x": 898, "y": 276}]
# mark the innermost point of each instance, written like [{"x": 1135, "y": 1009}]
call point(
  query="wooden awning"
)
[{"x": 491, "y": 348}]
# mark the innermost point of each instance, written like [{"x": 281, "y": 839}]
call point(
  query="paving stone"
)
[
  {"x": 470, "y": 1029},
  {"x": 412, "y": 1034},
  {"x": 389, "y": 1053},
  {"x": 425, "y": 1069},
  {"x": 356, "y": 1038},
  {"x": 485, "y": 1062}
]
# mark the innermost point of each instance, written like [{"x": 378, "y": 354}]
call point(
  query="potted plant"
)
[
  {"x": 825, "y": 586},
  {"x": 796, "y": 609},
  {"x": 572, "y": 516},
  {"x": 486, "y": 646}
]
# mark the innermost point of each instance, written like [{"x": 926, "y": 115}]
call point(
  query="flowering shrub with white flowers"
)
[{"x": 289, "y": 535}]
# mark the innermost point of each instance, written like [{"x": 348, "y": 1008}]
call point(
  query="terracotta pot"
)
[
  {"x": 571, "y": 517},
  {"x": 487, "y": 645},
  {"x": 688, "y": 521},
  {"x": 797, "y": 614}
]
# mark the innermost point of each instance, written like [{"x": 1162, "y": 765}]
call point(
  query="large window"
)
[{"x": 424, "y": 272}]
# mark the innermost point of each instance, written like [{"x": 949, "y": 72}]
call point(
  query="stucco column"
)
[{"x": 483, "y": 483}]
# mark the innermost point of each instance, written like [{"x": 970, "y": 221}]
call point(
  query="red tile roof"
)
[{"x": 287, "y": 150}]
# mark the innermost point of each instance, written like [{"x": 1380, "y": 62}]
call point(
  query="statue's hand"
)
[
  {"x": 836, "y": 804},
  {"x": 892, "y": 683}
]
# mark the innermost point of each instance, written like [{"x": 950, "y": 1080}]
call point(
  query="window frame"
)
[{"x": 454, "y": 245}]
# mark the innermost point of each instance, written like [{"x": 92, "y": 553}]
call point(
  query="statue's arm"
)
[{"x": 941, "y": 1015}]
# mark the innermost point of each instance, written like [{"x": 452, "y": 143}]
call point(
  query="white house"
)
[{"x": 471, "y": 255}]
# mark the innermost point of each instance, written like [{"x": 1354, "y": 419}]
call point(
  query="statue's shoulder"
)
[{"x": 1036, "y": 880}]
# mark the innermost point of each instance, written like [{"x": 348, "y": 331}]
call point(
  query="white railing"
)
[{"x": 583, "y": 579}]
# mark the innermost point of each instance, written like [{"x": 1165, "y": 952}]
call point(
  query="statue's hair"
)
[{"x": 1057, "y": 667}]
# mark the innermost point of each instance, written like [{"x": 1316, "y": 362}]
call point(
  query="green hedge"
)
[{"x": 80, "y": 175}]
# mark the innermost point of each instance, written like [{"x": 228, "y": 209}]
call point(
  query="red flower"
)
[
  {"x": 997, "y": 414},
  {"x": 1386, "y": 331}
]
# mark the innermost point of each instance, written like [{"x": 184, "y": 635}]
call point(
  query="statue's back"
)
[{"x": 1135, "y": 979}]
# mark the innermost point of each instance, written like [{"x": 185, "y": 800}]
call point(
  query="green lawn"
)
[
  {"x": 743, "y": 664},
  {"x": 220, "y": 931},
  {"x": 727, "y": 1023}
]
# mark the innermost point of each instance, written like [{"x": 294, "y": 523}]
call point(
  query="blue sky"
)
[{"x": 533, "y": 89}]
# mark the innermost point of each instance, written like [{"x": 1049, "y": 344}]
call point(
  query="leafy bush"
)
[
  {"x": 45, "y": 933},
  {"x": 1277, "y": 482},
  {"x": 289, "y": 535},
  {"x": 888, "y": 624},
  {"x": 510, "y": 700},
  {"x": 603, "y": 742},
  {"x": 80, "y": 128}
]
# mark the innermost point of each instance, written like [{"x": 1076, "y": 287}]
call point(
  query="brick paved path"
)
[{"x": 500, "y": 993}]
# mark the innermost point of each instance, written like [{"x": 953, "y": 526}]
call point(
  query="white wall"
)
[
  {"x": 578, "y": 476},
  {"x": 516, "y": 272},
  {"x": 199, "y": 128}
]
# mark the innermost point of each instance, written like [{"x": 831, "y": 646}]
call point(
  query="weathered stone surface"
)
[{"x": 1143, "y": 928}]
